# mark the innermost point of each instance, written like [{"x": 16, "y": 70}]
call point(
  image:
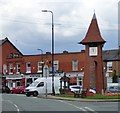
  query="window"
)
[
  {"x": 16, "y": 55},
  {"x": 40, "y": 84},
  {"x": 10, "y": 68},
  {"x": 75, "y": 65},
  {"x": 17, "y": 83},
  {"x": 18, "y": 68},
  {"x": 56, "y": 65},
  {"x": 28, "y": 67},
  {"x": 11, "y": 55},
  {"x": 79, "y": 81},
  {"x": 4, "y": 69},
  {"x": 109, "y": 66},
  {"x": 39, "y": 67}
]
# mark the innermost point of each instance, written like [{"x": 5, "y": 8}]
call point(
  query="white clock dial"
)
[{"x": 93, "y": 51}]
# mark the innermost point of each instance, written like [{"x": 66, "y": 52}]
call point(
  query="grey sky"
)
[{"x": 28, "y": 28}]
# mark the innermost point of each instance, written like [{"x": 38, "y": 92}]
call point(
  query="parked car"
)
[
  {"x": 18, "y": 90},
  {"x": 78, "y": 88},
  {"x": 5, "y": 89},
  {"x": 113, "y": 89}
]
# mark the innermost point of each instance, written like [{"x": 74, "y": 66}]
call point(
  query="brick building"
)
[
  {"x": 111, "y": 60},
  {"x": 15, "y": 66},
  {"x": 18, "y": 69}
]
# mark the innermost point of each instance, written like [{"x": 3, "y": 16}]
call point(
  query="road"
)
[{"x": 19, "y": 103}]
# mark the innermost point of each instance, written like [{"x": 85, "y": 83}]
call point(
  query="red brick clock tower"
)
[{"x": 93, "y": 69}]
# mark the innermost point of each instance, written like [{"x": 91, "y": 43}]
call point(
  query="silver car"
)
[{"x": 78, "y": 89}]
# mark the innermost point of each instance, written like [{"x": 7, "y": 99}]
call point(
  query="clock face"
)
[{"x": 93, "y": 51}]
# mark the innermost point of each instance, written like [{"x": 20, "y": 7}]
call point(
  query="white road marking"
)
[
  {"x": 85, "y": 109},
  {"x": 90, "y": 109},
  {"x": 13, "y": 104},
  {"x": 74, "y": 106}
]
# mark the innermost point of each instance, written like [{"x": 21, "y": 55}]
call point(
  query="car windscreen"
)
[
  {"x": 76, "y": 87},
  {"x": 34, "y": 84}
]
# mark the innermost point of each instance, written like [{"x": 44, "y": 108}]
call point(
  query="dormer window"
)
[
  {"x": 11, "y": 55},
  {"x": 16, "y": 55}
]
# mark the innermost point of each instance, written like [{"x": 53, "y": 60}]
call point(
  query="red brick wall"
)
[
  {"x": 65, "y": 61},
  {"x": 7, "y": 48},
  {"x": 96, "y": 63}
]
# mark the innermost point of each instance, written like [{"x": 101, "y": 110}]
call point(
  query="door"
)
[{"x": 40, "y": 88}]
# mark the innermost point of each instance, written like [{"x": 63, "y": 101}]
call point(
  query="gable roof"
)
[
  {"x": 93, "y": 34},
  {"x": 6, "y": 40},
  {"x": 111, "y": 55}
]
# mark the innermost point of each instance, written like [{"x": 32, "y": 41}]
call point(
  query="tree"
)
[{"x": 114, "y": 77}]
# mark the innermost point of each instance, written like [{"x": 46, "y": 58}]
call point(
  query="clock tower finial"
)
[{"x": 94, "y": 16}]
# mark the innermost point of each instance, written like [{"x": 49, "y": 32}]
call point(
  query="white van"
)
[
  {"x": 43, "y": 86},
  {"x": 113, "y": 87}
]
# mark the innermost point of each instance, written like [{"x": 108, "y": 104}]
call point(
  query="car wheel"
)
[
  {"x": 35, "y": 94},
  {"x": 11, "y": 92}
]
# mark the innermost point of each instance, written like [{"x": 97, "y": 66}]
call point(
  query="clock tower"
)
[{"x": 93, "y": 67}]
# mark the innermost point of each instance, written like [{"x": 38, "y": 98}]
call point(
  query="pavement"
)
[{"x": 78, "y": 99}]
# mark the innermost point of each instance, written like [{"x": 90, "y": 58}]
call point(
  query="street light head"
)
[
  {"x": 39, "y": 49},
  {"x": 47, "y": 11},
  {"x": 44, "y": 10}
]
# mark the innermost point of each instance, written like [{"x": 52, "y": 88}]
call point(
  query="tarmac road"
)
[{"x": 20, "y": 103}]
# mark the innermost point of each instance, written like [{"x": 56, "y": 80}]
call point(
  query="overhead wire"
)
[{"x": 42, "y": 22}]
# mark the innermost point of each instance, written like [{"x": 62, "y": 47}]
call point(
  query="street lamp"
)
[
  {"x": 53, "y": 90},
  {"x": 41, "y": 53},
  {"x": 42, "y": 59}
]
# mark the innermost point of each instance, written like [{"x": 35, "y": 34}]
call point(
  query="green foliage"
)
[
  {"x": 96, "y": 96},
  {"x": 114, "y": 78}
]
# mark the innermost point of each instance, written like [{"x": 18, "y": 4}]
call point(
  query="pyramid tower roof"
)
[{"x": 93, "y": 34}]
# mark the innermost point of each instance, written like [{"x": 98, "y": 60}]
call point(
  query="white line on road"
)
[
  {"x": 13, "y": 104},
  {"x": 90, "y": 109},
  {"x": 74, "y": 106}
]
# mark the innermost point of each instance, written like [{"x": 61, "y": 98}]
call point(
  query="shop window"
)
[
  {"x": 28, "y": 81},
  {"x": 17, "y": 83},
  {"x": 79, "y": 81}
]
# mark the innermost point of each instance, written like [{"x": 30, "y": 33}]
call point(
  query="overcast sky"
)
[{"x": 29, "y": 29}]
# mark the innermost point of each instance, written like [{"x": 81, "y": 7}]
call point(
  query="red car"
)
[{"x": 18, "y": 90}]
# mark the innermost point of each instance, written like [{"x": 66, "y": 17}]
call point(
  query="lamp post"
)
[
  {"x": 42, "y": 59},
  {"x": 53, "y": 90}
]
